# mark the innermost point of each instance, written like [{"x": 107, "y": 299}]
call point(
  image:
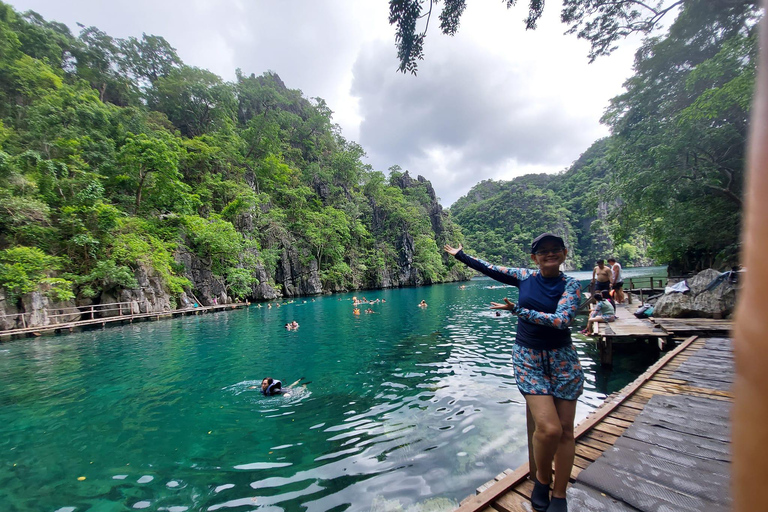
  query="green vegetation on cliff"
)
[{"x": 117, "y": 158}]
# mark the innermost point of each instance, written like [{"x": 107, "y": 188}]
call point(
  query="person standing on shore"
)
[
  {"x": 547, "y": 368},
  {"x": 617, "y": 281}
]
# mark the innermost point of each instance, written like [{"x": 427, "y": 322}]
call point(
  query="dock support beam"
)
[{"x": 606, "y": 350}]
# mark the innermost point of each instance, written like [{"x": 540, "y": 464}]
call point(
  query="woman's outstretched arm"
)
[{"x": 506, "y": 275}]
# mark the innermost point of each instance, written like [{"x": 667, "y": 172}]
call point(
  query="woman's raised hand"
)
[
  {"x": 510, "y": 306},
  {"x": 452, "y": 250}
]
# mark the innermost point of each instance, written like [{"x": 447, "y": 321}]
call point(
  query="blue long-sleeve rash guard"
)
[{"x": 546, "y": 306}]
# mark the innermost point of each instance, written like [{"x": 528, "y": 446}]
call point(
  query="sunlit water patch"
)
[{"x": 404, "y": 407}]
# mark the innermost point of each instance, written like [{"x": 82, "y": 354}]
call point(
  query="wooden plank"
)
[
  {"x": 628, "y": 411},
  {"x": 495, "y": 479},
  {"x": 593, "y": 443},
  {"x": 484, "y": 499},
  {"x": 619, "y": 415},
  {"x": 610, "y": 429},
  {"x": 587, "y": 452},
  {"x": 525, "y": 488},
  {"x": 636, "y": 402},
  {"x": 581, "y": 462},
  {"x": 601, "y": 436},
  {"x": 650, "y": 393},
  {"x": 575, "y": 471},
  {"x": 667, "y": 380},
  {"x": 512, "y": 502},
  {"x": 617, "y": 422},
  {"x": 633, "y": 404},
  {"x": 677, "y": 389}
]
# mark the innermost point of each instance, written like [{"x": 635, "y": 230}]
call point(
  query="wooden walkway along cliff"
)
[
  {"x": 661, "y": 443},
  {"x": 116, "y": 312}
]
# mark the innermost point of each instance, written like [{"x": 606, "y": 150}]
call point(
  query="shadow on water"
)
[{"x": 406, "y": 406}]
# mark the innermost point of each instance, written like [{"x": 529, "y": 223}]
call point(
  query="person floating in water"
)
[
  {"x": 271, "y": 387},
  {"x": 423, "y": 304},
  {"x": 356, "y": 311}
]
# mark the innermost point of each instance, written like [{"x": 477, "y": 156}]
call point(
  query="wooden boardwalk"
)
[
  {"x": 627, "y": 325},
  {"x": 628, "y": 328},
  {"x": 662, "y": 443},
  {"x": 121, "y": 318}
]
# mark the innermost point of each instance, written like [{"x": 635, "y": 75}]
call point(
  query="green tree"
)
[
  {"x": 679, "y": 135},
  {"x": 98, "y": 60},
  {"x": 28, "y": 269},
  {"x": 195, "y": 100},
  {"x": 148, "y": 59},
  {"x": 150, "y": 162}
]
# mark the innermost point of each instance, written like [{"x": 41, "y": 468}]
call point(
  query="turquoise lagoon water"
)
[{"x": 404, "y": 409}]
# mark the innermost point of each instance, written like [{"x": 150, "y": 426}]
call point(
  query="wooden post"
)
[
  {"x": 606, "y": 351},
  {"x": 531, "y": 425}
]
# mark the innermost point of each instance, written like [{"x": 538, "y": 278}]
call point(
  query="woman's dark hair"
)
[
  {"x": 599, "y": 296},
  {"x": 606, "y": 295}
]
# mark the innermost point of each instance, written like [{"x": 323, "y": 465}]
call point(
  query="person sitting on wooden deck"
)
[
  {"x": 547, "y": 368},
  {"x": 604, "y": 312}
]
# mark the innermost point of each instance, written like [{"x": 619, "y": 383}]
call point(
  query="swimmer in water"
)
[{"x": 271, "y": 387}]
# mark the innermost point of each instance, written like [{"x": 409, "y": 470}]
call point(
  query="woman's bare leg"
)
[
  {"x": 546, "y": 435},
  {"x": 566, "y": 411}
]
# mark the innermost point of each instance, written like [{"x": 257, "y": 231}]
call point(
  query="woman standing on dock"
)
[{"x": 547, "y": 368}]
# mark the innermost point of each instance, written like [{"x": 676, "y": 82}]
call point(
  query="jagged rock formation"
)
[{"x": 700, "y": 302}]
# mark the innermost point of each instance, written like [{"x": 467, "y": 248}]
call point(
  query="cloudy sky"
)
[{"x": 493, "y": 102}]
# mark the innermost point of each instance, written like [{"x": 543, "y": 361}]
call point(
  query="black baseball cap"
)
[{"x": 543, "y": 238}]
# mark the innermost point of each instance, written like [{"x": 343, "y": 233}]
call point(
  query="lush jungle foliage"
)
[
  {"x": 668, "y": 183},
  {"x": 114, "y": 155},
  {"x": 501, "y": 218}
]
